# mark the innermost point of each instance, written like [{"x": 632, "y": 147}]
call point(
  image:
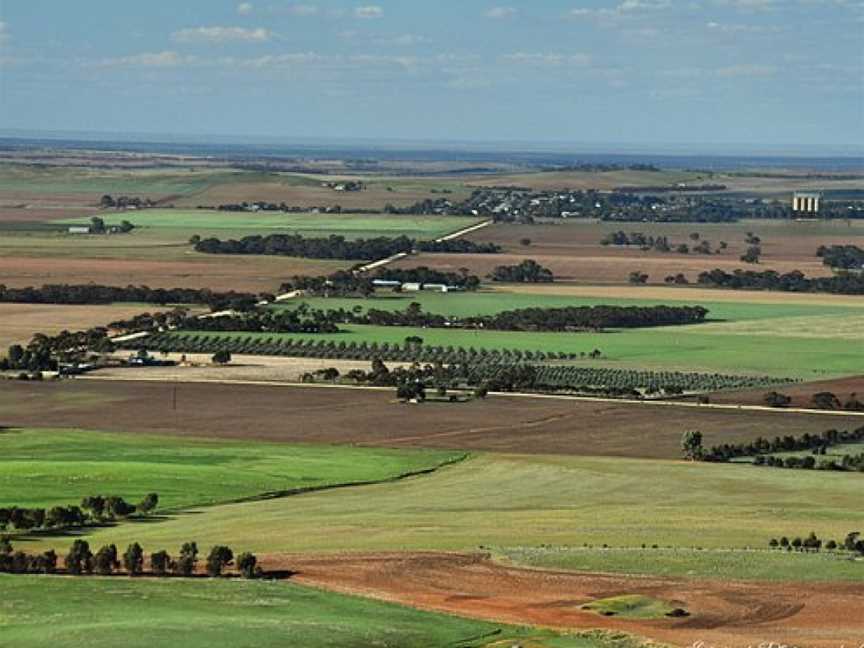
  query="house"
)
[
  {"x": 79, "y": 229},
  {"x": 412, "y": 287},
  {"x": 386, "y": 283}
]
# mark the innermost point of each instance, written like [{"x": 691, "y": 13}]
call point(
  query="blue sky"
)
[{"x": 758, "y": 73}]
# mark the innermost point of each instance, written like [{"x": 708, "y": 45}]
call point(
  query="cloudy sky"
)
[{"x": 761, "y": 73}]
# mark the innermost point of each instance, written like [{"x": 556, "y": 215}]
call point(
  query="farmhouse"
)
[{"x": 79, "y": 229}]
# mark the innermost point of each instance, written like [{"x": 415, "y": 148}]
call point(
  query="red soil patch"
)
[{"x": 732, "y": 614}]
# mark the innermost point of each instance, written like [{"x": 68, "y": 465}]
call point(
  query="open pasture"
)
[
  {"x": 106, "y": 612},
  {"x": 305, "y": 190},
  {"x": 676, "y": 348},
  {"x": 572, "y": 249},
  {"x": 373, "y": 418},
  {"x": 44, "y": 467},
  {"x": 521, "y": 500},
  {"x": 213, "y": 223}
]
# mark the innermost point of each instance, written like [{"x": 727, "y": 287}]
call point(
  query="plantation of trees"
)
[{"x": 327, "y": 349}]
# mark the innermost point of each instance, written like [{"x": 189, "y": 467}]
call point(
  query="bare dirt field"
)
[
  {"x": 250, "y": 273},
  {"x": 18, "y": 322},
  {"x": 573, "y": 252},
  {"x": 339, "y": 415},
  {"x": 800, "y": 393},
  {"x": 733, "y": 614}
]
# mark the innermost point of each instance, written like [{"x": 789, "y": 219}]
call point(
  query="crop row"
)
[
  {"x": 605, "y": 379},
  {"x": 329, "y": 349}
]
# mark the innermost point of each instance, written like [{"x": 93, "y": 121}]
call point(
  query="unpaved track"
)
[{"x": 731, "y": 614}]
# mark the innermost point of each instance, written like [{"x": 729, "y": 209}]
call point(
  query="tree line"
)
[
  {"x": 762, "y": 450},
  {"x": 336, "y": 246},
  {"x": 81, "y": 560},
  {"x": 852, "y": 543},
  {"x": 100, "y": 294},
  {"x": 92, "y": 510},
  {"x": 795, "y": 281}
]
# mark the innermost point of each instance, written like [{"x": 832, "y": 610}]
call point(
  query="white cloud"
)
[
  {"x": 166, "y": 59},
  {"x": 302, "y": 10},
  {"x": 625, "y": 9},
  {"x": 747, "y": 70},
  {"x": 499, "y": 13},
  {"x": 548, "y": 59},
  {"x": 221, "y": 35},
  {"x": 4, "y": 32},
  {"x": 729, "y": 28},
  {"x": 368, "y": 12},
  {"x": 643, "y": 5},
  {"x": 245, "y": 8}
]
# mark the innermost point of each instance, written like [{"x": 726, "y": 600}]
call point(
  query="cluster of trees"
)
[
  {"x": 820, "y": 400},
  {"x": 300, "y": 320},
  {"x": 795, "y": 281},
  {"x": 80, "y": 559},
  {"x": 98, "y": 294},
  {"x": 332, "y": 247},
  {"x": 812, "y": 543},
  {"x": 45, "y": 353},
  {"x": 458, "y": 246},
  {"x": 845, "y": 462},
  {"x": 844, "y": 257},
  {"x": 661, "y": 243},
  {"x": 123, "y": 202},
  {"x": 18, "y": 562},
  {"x": 337, "y": 247},
  {"x": 345, "y": 283},
  {"x": 571, "y": 318},
  {"x": 93, "y": 509},
  {"x": 529, "y": 271},
  {"x": 580, "y": 318}
]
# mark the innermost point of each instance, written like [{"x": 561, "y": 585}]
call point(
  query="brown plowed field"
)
[
  {"x": 252, "y": 273},
  {"x": 333, "y": 415},
  {"x": 573, "y": 252},
  {"x": 18, "y": 322},
  {"x": 732, "y": 614}
]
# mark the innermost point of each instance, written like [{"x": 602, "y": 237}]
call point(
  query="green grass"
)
[
  {"x": 95, "y": 612},
  {"x": 51, "y": 467},
  {"x": 513, "y": 500},
  {"x": 630, "y": 606},
  {"x": 722, "y": 564},
  {"x": 207, "y": 222},
  {"x": 686, "y": 348},
  {"x": 488, "y": 302}
]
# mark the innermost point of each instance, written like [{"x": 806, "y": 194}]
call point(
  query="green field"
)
[
  {"x": 39, "y": 612},
  {"x": 207, "y": 222},
  {"x": 690, "y": 348},
  {"x": 487, "y": 302},
  {"x": 52, "y": 467},
  {"x": 513, "y": 500},
  {"x": 760, "y": 564}
]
